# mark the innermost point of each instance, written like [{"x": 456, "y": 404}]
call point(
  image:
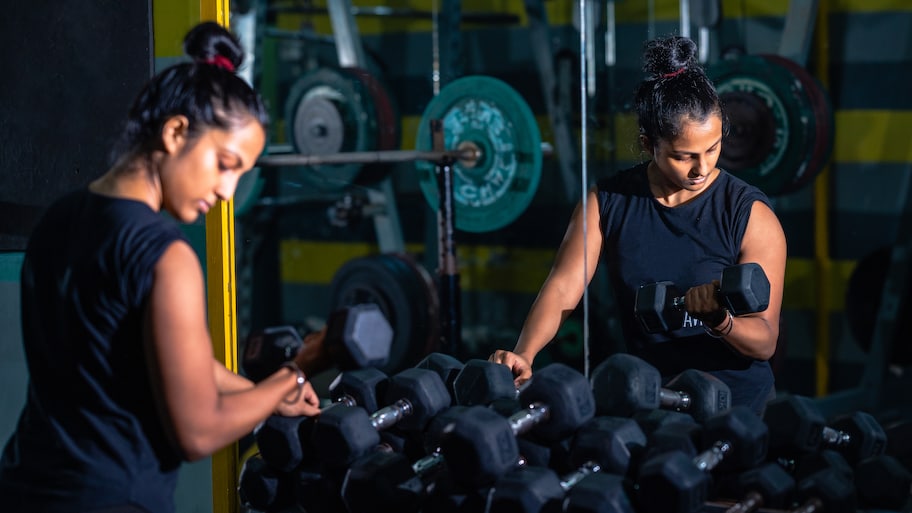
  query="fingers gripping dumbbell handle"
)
[
  {"x": 710, "y": 459},
  {"x": 673, "y": 399},
  {"x": 388, "y": 416},
  {"x": 524, "y": 420}
]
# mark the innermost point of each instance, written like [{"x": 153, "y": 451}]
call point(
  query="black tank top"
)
[
  {"x": 90, "y": 436},
  {"x": 646, "y": 242}
]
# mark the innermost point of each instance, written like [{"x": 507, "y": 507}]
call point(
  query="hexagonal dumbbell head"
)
[
  {"x": 284, "y": 442},
  {"x": 883, "y": 482},
  {"x": 829, "y": 490},
  {"x": 857, "y": 436},
  {"x": 744, "y": 288},
  {"x": 669, "y": 482},
  {"x": 342, "y": 434},
  {"x": 483, "y": 382},
  {"x": 479, "y": 446},
  {"x": 744, "y": 431},
  {"x": 612, "y": 442},
  {"x": 265, "y": 350},
  {"x": 654, "y": 307},
  {"x": 567, "y": 394},
  {"x": 527, "y": 490},
  {"x": 377, "y": 483},
  {"x": 794, "y": 424},
  {"x": 262, "y": 488},
  {"x": 425, "y": 392},
  {"x": 446, "y": 366},
  {"x": 624, "y": 384},
  {"x": 599, "y": 493},
  {"x": 359, "y": 336},
  {"x": 768, "y": 486},
  {"x": 363, "y": 386},
  {"x": 706, "y": 395}
]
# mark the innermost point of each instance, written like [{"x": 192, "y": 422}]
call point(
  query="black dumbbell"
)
[
  {"x": 262, "y": 488},
  {"x": 284, "y": 442},
  {"x": 767, "y": 486},
  {"x": 604, "y": 445},
  {"x": 743, "y": 288},
  {"x": 796, "y": 425},
  {"x": 385, "y": 481},
  {"x": 483, "y": 382},
  {"x": 676, "y": 482},
  {"x": 624, "y": 384},
  {"x": 446, "y": 366},
  {"x": 883, "y": 482},
  {"x": 826, "y": 491},
  {"x": 480, "y": 445},
  {"x": 345, "y": 433},
  {"x": 355, "y": 337}
]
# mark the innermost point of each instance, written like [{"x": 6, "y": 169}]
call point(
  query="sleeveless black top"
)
[{"x": 90, "y": 436}]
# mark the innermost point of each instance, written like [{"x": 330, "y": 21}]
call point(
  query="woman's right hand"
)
[
  {"x": 300, "y": 402},
  {"x": 519, "y": 365}
]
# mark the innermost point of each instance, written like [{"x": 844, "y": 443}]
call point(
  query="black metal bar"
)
[
  {"x": 364, "y": 157},
  {"x": 448, "y": 269},
  {"x": 492, "y": 18}
]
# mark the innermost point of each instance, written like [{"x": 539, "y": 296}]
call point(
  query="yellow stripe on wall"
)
[
  {"x": 520, "y": 270},
  {"x": 172, "y": 19},
  {"x": 873, "y": 136}
]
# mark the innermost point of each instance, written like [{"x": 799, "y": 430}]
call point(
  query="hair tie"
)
[
  {"x": 675, "y": 72},
  {"x": 220, "y": 61}
]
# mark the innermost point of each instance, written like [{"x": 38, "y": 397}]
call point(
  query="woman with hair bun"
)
[
  {"x": 675, "y": 217},
  {"x": 123, "y": 383}
]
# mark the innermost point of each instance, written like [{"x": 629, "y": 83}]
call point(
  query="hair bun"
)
[
  {"x": 666, "y": 56},
  {"x": 213, "y": 43}
]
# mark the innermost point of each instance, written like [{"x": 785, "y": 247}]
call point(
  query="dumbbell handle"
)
[
  {"x": 709, "y": 459},
  {"x": 752, "y": 501},
  {"x": 813, "y": 505},
  {"x": 835, "y": 437},
  {"x": 524, "y": 420},
  {"x": 388, "y": 416},
  {"x": 570, "y": 480},
  {"x": 674, "y": 399}
]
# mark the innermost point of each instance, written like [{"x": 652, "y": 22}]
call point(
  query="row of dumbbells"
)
[{"x": 451, "y": 437}]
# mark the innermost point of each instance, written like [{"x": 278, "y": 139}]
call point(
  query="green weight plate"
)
[
  {"x": 824, "y": 133},
  {"x": 490, "y": 114},
  {"x": 779, "y": 102},
  {"x": 329, "y": 111}
]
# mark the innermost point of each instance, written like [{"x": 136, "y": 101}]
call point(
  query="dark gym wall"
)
[{"x": 71, "y": 70}]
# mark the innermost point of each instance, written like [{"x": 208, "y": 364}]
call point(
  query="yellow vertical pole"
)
[
  {"x": 221, "y": 283},
  {"x": 821, "y": 219}
]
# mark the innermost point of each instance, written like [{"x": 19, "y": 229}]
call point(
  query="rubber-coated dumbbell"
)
[
  {"x": 743, "y": 288},
  {"x": 767, "y": 486},
  {"x": 446, "y": 366},
  {"x": 354, "y": 337},
  {"x": 624, "y": 384},
  {"x": 796, "y": 425},
  {"x": 883, "y": 482},
  {"x": 675, "y": 482},
  {"x": 344, "y": 433},
  {"x": 826, "y": 491},
  {"x": 284, "y": 442},
  {"x": 262, "y": 488},
  {"x": 480, "y": 445},
  {"x": 483, "y": 382},
  {"x": 604, "y": 445},
  {"x": 385, "y": 481}
]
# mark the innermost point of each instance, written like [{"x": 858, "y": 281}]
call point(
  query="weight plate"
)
[
  {"x": 387, "y": 123},
  {"x": 824, "y": 133},
  {"x": 329, "y": 111},
  {"x": 406, "y": 295},
  {"x": 488, "y": 113},
  {"x": 248, "y": 190},
  {"x": 780, "y": 97}
]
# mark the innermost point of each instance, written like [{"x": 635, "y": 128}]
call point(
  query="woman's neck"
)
[{"x": 133, "y": 181}]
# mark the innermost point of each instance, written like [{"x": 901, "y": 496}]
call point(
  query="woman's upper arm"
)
[
  {"x": 764, "y": 243},
  {"x": 180, "y": 342}
]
